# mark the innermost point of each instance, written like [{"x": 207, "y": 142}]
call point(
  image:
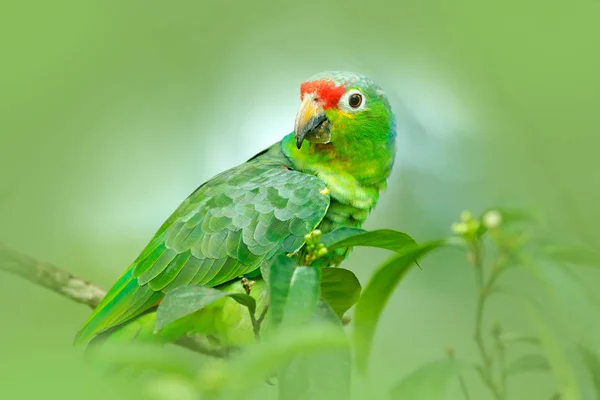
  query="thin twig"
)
[
  {"x": 81, "y": 291},
  {"x": 247, "y": 284},
  {"x": 461, "y": 380},
  {"x": 262, "y": 314},
  {"x": 463, "y": 386},
  {"x": 501, "y": 362},
  {"x": 486, "y": 371}
]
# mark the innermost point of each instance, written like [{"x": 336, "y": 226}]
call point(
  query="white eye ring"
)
[{"x": 344, "y": 103}]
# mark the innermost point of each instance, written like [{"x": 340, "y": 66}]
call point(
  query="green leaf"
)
[
  {"x": 340, "y": 234},
  {"x": 134, "y": 356},
  {"x": 340, "y": 289},
  {"x": 259, "y": 361},
  {"x": 322, "y": 375},
  {"x": 560, "y": 365},
  {"x": 592, "y": 362},
  {"x": 186, "y": 300},
  {"x": 428, "y": 382},
  {"x": 573, "y": 254},
  {"x": 383, "y": 238},
  {"x": 280, "y": 274},
  {"x": 303, "y": 296},
  {"x": 293, "y": 291},
  {"x": 376, "y": 294},
  {"x": 528, "y": 363}
]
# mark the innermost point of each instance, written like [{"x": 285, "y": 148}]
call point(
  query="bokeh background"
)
[{"x": 112, "y": 112}]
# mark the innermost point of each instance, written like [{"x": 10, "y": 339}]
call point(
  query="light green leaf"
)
[
  {"x": 323, "y": 375},
  {"x": 186, "y": 300},
  {"x": 280, "y": 274},
  {"x": 528, "y": 363},
  {"x": 573, "y": 254},
  {"x": 383, "y": 238},
  {"x": 559, "y": 362},
  {"x": 260, "y": 361},
  {"x": 340, "y": 289},
  {"x": 137, "y": 357},
  {"x": 376, "y": 294},
  {"x": 592, "y": 362},
  {"x": 428, "y": 382},
  {"x": 303, "y": 296}
]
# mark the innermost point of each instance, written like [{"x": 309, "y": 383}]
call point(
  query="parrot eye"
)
[{"x": 355, "y": 100}]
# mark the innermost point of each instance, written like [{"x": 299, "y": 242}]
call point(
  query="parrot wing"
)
[{"x": 226, "y": 228}]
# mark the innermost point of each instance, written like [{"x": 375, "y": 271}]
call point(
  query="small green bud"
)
[
  {"x": 460, "y": 228},
  {"x": 317, "y": 235},
  {"x": 466, "y": 216}
]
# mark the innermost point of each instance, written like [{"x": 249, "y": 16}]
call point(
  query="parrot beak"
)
[{"x": 311, "y": 123}]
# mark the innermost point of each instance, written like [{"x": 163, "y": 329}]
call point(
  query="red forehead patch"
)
[{"x": 328, "y": 93}]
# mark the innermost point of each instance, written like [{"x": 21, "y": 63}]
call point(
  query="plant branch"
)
[
  {"x": 483, "y": 288},
  {"x": 81, "y": 291},
  {"x": 50, "y": 277}
]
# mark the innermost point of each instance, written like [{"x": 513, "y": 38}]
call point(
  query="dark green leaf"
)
[
  {"x": 303, "y": 296},
  {"x": 340, "y": 289},
  {"x": 529, "y": 363},
  {"x": 279, "y": 277},
  {"x": 383, "y": 238},
  {"x": 186, "y": 300},
  {"x": 593, "y": 365},
  {"x": 428, "y": 382},
  {"x": 573, "y": 254},
  {"x": 376, "y": 294}
]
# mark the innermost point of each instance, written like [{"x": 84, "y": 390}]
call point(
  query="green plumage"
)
[{"x": 243, "y": 217}]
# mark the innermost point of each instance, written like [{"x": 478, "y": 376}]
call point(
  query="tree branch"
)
[
  {"x": 50, "y": 277},
  {"x": 81, "y": 291}
]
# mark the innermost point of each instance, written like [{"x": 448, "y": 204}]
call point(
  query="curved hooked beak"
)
[{"x": 311, "y": 123}]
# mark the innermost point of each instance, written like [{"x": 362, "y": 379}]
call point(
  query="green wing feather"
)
[{"x": 228, "y": 227}]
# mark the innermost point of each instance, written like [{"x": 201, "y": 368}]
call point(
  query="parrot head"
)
[
  {"x": 341, "y": 107},
  {"x": 345, "y": 134}
]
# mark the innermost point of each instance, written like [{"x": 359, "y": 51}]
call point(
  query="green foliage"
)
[
  {"x": 340, "y": 289},
  {"x": 560, "y": 365},
  {"x": 428, "y": 382},
  {"x": 573, "y": 254},
  {"x": 528, "y": 363},
  {"x": 187, "y": 300},
  {"x": 281, "y": 270},
  {"x": 592, "y": 362},
  {"x": 383, "y": 238},
  {"x": 298, "y": 342},
  {"x": 376, "y": 294}
]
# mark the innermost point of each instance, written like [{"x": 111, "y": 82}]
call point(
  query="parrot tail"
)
[{"x": 123, "y": 302}]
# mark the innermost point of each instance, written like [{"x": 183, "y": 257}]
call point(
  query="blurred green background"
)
[{"x": 112, "y": 112}]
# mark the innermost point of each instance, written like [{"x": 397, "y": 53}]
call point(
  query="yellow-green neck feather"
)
[{"x": 357, "y": 161}]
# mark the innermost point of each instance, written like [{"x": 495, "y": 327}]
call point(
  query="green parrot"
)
[{"x": 325, "y": 175}]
